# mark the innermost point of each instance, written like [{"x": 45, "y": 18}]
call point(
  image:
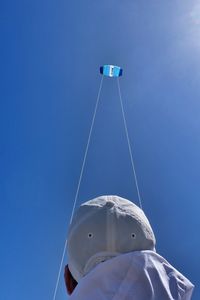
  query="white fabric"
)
[{"x": 139, "y": 275}]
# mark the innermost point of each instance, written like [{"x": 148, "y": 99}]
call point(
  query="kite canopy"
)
[{"x": 111, "y": 71}]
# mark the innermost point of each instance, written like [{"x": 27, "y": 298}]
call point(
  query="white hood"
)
[{"x": 139, "y": 275}]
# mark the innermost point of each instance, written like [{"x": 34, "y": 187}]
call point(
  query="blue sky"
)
[{"x": 50, "y": 56}]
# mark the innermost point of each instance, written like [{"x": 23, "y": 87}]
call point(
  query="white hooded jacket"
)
[{"x": 138, "y": 275}]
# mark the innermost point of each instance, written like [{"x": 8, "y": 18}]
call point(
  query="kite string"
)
[
  {"x": 86, "y": 150},
  {"x": 129, "y": 145},
  {"x": 78, "y": 187}
]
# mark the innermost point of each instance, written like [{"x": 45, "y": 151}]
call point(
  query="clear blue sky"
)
[{"x": 50, "y": 54}]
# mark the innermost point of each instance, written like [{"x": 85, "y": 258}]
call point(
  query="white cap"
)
[{"x": 103, "y": 228}]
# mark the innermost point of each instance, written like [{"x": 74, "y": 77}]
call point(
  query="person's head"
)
[{"x": 101, "y": 229}]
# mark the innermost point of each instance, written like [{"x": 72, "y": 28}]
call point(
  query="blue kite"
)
[{"x": 111, "y": 71}]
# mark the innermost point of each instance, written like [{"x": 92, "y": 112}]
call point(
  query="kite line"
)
[
  {"x": 79, "y": 184},
  {"x": 129, "y": 145},
  {"x": 111, "y": 71}
]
